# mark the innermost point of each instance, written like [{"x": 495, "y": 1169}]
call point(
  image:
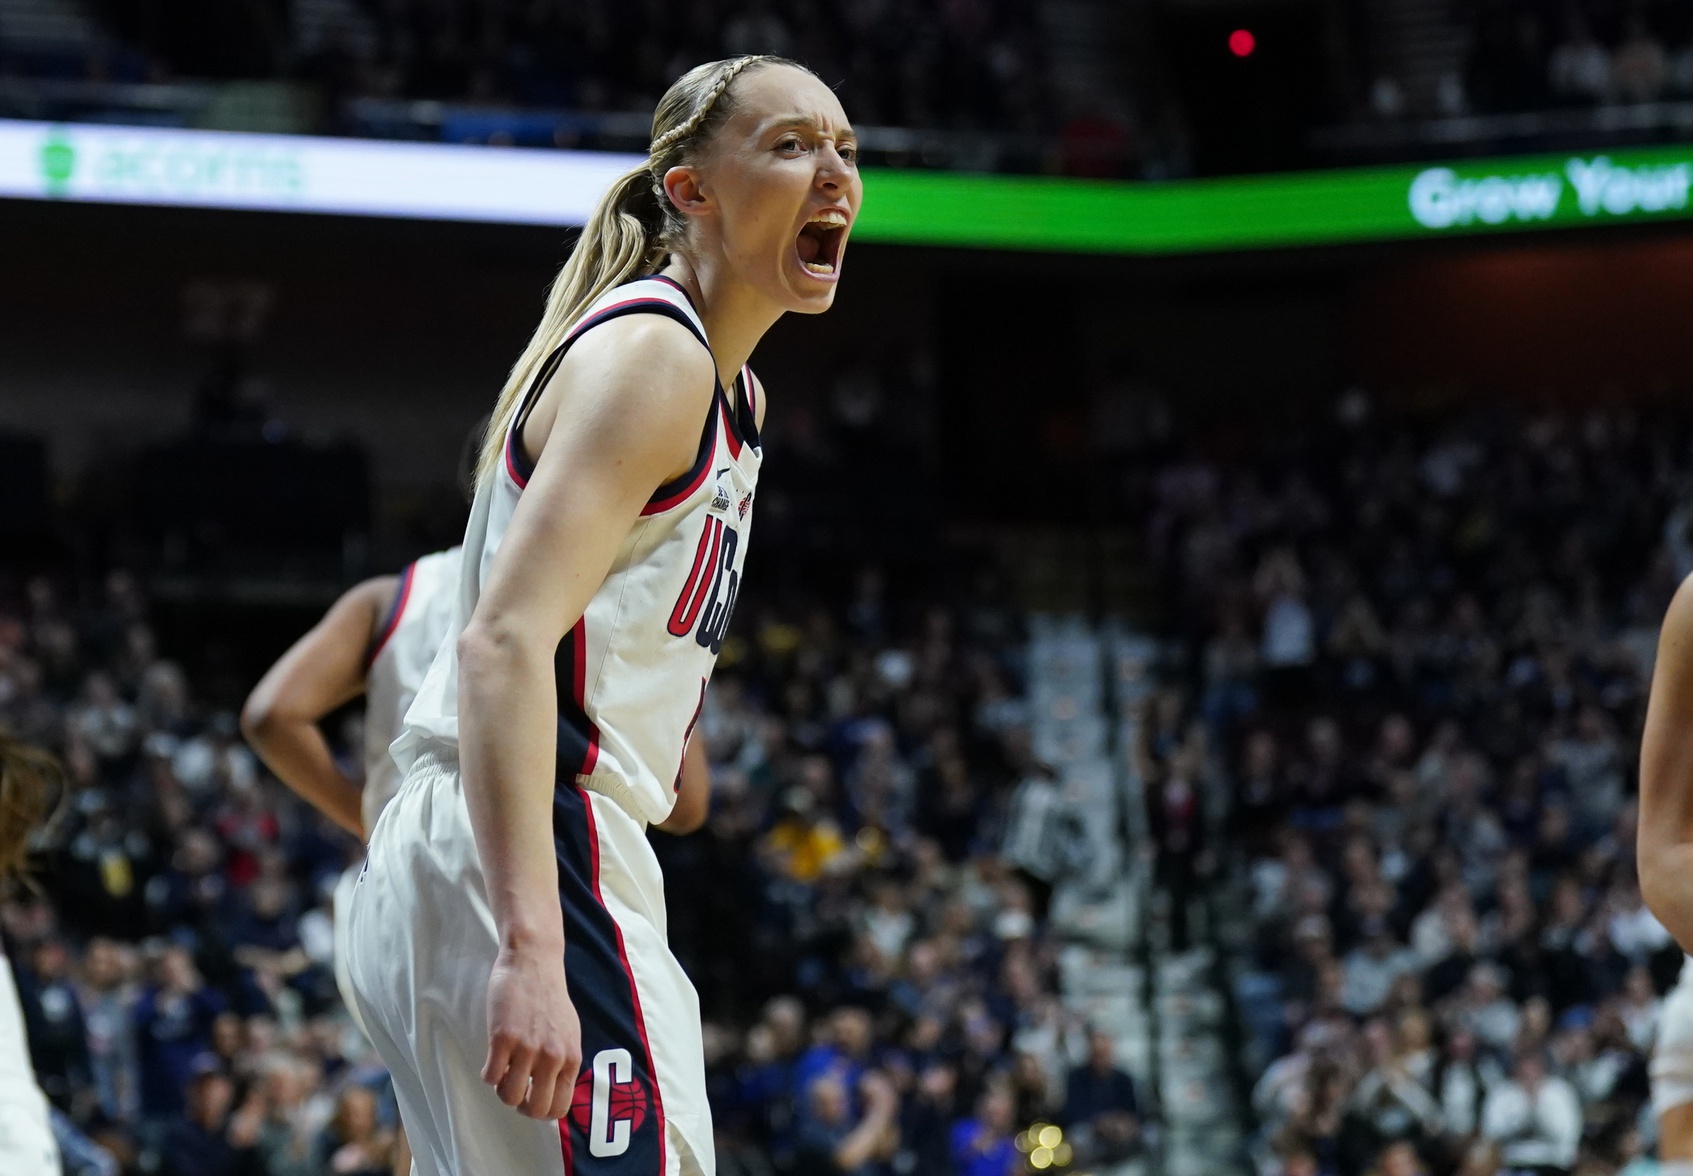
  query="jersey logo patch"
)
[
  {"x": 610, "y": 1103},
  {"x": 742, "y": 506},
  {"x": 708, "y": 596},
  {"x": 720, "y": 501}
]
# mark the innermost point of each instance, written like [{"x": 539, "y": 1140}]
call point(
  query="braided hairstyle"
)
[
  {"x": 633, "y": 229},
  {"x": 31, "y": 783}
]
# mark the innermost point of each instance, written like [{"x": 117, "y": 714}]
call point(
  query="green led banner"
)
[
  {"x": 438, "y": 181},
  {"x": 1258, "y": 212}
]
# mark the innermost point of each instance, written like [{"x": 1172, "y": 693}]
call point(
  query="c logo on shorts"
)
[{"x": 610, "y": 1103}]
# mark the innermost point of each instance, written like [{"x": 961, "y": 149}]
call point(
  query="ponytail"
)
[
  {"x": 31, "y": 782},
  {"x": 620, "y": 243},
  {"x": 633, "y": 229}
]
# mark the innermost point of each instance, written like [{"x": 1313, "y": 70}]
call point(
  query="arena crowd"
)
[
  {"x": 1414, "y": 650},
  {"x": 879, "y": 992},
  {"x": 1425, "y": 651}
]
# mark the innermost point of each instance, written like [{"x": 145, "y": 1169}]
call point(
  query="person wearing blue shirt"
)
[{"x": 982, "y": 1146}]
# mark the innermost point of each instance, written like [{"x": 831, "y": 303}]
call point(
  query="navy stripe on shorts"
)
[{"x": 625, "y": 1136}]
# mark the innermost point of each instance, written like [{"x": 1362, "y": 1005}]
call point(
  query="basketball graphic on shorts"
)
[{"x": 628, "y": 1101}]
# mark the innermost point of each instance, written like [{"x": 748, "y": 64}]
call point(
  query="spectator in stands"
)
[
  {"x": 831, "y": 1141},
  {"x": 1580, "y": 69},
  {"x": 198, "y": 1141},
  {"x": 106, "y": 997},
  {"x": 58, "y": 1033},
  {"x": 1535, "y": 1119},
  {"x": 173, "y": 1025},
  {"x": 930, "y": 1111},
  {"x": 982, "y": 1145},
  {"x": 355, "y": 1143},
  {"x": 1640, "y": 64},
  {"x": 1100, "y": 1108}
]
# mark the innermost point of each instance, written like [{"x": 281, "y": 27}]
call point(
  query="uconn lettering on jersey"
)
[{"x": 708, "y": 597}]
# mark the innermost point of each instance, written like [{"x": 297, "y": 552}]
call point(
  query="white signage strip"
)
[{"x": 297, "y": 173}]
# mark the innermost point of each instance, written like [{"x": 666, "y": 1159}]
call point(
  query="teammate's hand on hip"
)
[{"x": 534, "y": 1038}]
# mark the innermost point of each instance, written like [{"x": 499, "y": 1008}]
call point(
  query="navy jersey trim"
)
[
  {"x": 518, "y": 464},
  {"x": 578, "y": 736},
  {"x": 390, "y": 620}
]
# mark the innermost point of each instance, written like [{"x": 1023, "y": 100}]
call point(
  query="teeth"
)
[
  {"x": 818, "y": 267},
  {"x": 830, "y": 218}
]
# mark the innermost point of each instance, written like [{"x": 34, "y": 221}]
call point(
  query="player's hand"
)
[{"x": 534, "y": 1038}]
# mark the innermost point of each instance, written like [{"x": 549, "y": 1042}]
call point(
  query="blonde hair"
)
[
  {"x": 31, "y": 784},
  {"x": 633, "y": 228}
]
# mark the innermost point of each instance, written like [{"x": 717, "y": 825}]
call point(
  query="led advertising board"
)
[{"x": 215, "y": 169}]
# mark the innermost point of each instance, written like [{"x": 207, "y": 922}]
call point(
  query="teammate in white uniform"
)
[
  {"x": 508, "y": 935},
  {"x": 27, "y": 1148},
  {"x": 1665, "y": 842},
  {"x": 377, "y": 640},
  {"x": 1672, "y": 1073}
]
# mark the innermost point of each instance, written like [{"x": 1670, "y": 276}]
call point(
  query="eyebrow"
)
[{"x": 809, "y": 123}]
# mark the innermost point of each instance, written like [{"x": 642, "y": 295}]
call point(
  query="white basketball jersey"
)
[
  {"x": 631, "y": 675},
  {"x": 398, "y": 659}
]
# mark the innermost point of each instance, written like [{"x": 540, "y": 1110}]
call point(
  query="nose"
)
[{"x": 832, "y": 170}]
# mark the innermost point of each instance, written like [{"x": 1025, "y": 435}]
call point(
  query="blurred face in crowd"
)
[
  {"x": 104, "y": 964},
  {"x": 786, "y": 1018},
  {"x": 829, "y": 1101},
  {"x": 356, "y": 1114},
  {"x": 1102, "y": 1051},
  {"x": 177, "y": 972},
  {"x": 209, "y": 1097},
  {"x": 996, "y": 1111},
  {"x": 285, "y": 1083},
  {"x": 1414, "y": 1032},
  {"x": 853, "y": 1032},
  {"x": 228, "y": 1035},
  {"x": 52, "y": 962},
  {"x": 1400, "y": 1159},
  {"x": 269, "y": 898},
  {"x": 939, "y": 1083}
]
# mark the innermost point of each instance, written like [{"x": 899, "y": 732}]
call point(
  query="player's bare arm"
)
[
  {"x": 321, "y": 671},
  {"x": 693, "y": 798},
  {"x": 620, "y": 418},
  {"x": 1665, "y": 840}
]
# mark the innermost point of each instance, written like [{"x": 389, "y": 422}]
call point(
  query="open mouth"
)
[{"x": 820, "y": 241}]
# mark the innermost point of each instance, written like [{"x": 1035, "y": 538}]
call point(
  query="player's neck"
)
[{"x": 735, "y": 316}]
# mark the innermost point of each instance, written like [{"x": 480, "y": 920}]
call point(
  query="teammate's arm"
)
[
  {"x": 620, "y": 418},
  {"x": 693, "y": 798},
  {"x": 1665, "y": 838},
  {"x": 321, "y": 671}
]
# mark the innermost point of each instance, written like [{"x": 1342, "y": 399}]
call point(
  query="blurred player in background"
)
[
  {"x": 376, "y": 640},
  {"x": 1666, "y": 871},
  {"x": 29, "y": 779}
]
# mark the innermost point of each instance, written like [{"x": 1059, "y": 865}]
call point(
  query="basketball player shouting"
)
[
  {"x": 1666, "y": 870},
  {"x": 508, "y": 944}
]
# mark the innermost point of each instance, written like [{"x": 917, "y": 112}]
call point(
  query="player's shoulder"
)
[
  {"x": 647, "y": 341},
  {"x": 648, "y": 365}
]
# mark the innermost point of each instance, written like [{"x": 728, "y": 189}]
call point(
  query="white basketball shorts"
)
[
  {"x": 1672, "y": 1052},
  {"x": 421, "y": 943},
  {"x": 341, "y": 905}
]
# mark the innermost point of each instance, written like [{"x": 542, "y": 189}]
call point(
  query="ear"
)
[{"x": 686, "y": 189}]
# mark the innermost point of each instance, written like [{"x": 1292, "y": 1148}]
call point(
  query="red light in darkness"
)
[{"x": 1242, "y": 42}]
